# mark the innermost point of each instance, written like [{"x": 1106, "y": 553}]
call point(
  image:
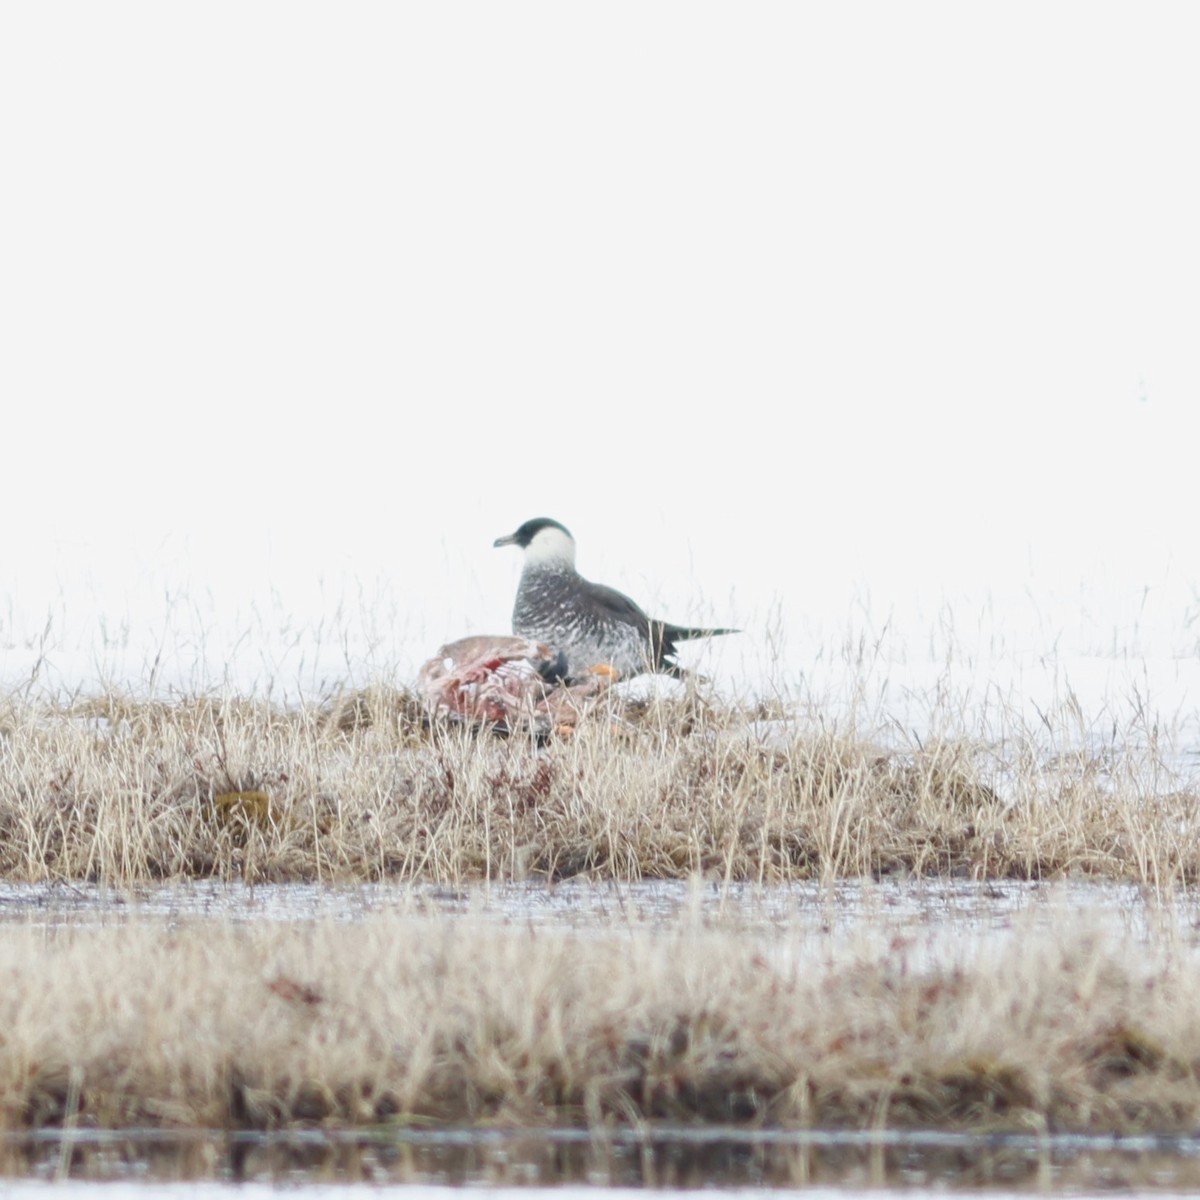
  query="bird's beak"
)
[{"x": 509, "y": 539}]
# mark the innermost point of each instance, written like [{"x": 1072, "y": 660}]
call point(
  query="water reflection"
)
[{"x": 656, "y": 1159}]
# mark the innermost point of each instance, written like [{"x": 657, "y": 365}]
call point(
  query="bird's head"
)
[{"x": 544, "y": 541}]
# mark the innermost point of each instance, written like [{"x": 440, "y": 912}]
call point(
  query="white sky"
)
[{"x": 791, "y": 312}]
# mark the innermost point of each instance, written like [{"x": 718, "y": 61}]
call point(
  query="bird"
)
[{"x": 587, "y": 623}]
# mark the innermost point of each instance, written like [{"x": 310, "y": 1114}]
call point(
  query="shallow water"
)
[
  {"x": 934, "y": 912},
  {"x": 574, "y": 1160},
  {"x": 578, "y": 901}
]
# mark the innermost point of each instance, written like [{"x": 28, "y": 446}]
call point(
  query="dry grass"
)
[
  {"x": 120, "y": 792},
  {"x": 401, "y": 1019}
]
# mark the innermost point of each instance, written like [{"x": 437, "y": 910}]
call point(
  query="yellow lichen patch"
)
[{"x": 251, "y": 807}]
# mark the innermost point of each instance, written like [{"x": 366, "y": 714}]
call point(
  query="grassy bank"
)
[
  {"x": 399, "y": 1019},
  {"x": 408, "y": 1018},
  {"x": 122, "y": 792}
]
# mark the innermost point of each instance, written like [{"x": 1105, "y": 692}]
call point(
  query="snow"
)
[{"x": 810, "y": 321}]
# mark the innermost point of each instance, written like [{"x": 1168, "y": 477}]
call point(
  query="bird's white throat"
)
[{"x": 550, "y": 547}]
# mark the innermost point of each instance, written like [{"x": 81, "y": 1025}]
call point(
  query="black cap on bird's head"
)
[
  {"x": 547, "y": 544},
  {"x": 527, "y": 532}
]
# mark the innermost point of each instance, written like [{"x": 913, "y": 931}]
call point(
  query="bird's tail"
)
[
  {"x": 665, "y": 636},
  {"x": 684, "y": 633}
]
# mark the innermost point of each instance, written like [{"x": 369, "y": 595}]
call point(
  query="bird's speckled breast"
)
[{"x": 547, "y": 608}]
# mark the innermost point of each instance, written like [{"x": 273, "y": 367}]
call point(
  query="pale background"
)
[{"x": 839, "y": 323}]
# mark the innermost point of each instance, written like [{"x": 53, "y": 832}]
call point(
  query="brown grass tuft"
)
[{"x": 408, "y": 1019}]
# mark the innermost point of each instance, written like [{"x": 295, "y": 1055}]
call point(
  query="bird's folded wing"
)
[{"x": 616, "y": 604}]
